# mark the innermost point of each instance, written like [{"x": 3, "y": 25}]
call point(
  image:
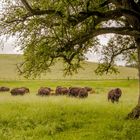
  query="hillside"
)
[{"x": 8, "y": 70}]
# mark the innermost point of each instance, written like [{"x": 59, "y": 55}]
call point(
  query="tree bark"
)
[
  {"x": 135, "y": 113},
  {"x": 138, "y": 50}
]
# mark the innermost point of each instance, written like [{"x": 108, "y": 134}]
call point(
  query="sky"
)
[{"x": 8, "y": 47}]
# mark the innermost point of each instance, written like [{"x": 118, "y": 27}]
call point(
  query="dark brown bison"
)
[
  {"x": 83, "y": 93},
  {"x": 18, "y": 91},
  {"x": 43, "y": 91},
  {"x": 26, "y": 89},
  {"x": 114, "y": 95},
  {"x": 78, "y": 92},
  {"x": 4, "y": 89},
  {"x": 74, "y": 91},
  {"x": 61, "y": 90}
]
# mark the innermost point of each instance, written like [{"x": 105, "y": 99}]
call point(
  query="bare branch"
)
[{"x": 132, "y": 47}]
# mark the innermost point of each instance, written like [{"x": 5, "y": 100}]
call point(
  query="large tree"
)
[{"x": 67, "y": 29}]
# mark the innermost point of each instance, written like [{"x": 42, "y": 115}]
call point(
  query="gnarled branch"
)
[
  {"x": 113, "y": 14},
  {"x": 117, "y": 30}
]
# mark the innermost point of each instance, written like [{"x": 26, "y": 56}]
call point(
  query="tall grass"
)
[{"x": 31, "y": 117}]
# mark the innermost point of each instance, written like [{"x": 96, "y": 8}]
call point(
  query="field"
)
[
  {"x": 31, "y": 117},
  {"x": 8, "y": 71}
]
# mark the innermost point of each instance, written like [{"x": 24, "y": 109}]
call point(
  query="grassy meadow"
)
[
  {"x": 8, "y": 71},
  {"x": 31, "y": 117}
]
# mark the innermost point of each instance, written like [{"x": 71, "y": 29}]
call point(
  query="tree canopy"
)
[
  {"x": 119, "y": 48},
  {"x": 67, "y": 29}
]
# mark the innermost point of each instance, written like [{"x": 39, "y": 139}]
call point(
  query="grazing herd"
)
[
  {"x": 80, "y": 92},
  {"x": 71, "y": 91}
]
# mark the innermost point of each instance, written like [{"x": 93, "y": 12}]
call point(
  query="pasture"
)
[
  {"x": 31, "y": 117},
  {"x": 8, "y": 71}
]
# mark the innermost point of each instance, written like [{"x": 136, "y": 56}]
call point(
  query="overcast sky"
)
[{"x": 8, "y": 47}]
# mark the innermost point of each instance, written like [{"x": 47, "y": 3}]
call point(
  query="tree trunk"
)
[{"x": 135, "y": 113}]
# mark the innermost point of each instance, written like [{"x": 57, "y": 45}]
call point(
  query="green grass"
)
[
  {"x": 8, "y": 71},
  {"x": 31, "y": 117}
]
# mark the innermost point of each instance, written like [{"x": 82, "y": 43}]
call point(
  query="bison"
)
[
  {"x": 43, "y": 91},
  {"x": 26, "y": 89},
  {"x": 61, "y": 90},
  {"x": 4, "y": 89},
  {"x": 74, "y": 91},
  {"x": 114, "y": 95},
  {"x": 78, "y": 92},
  {"x": 18, "y": 91},
  {"x": 83, "y": 93}
]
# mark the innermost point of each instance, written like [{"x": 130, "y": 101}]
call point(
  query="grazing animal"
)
[
  {"x": 18, "y": 91},
  {"x": 114, "y": 95},
  {"x": 78, "y": 92},
  {"x": 74, "y": 91},
  {"x": 4, "y": 89},
  {"x": 83, "y": 93},
  {"x": 43, "y": 91},
  {"x": 26, "y": 89},
  {"x": 61, "y": 90}
]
